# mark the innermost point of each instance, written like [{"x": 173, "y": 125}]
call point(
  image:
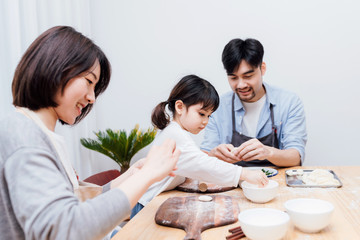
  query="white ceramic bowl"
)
[
  {"x": 309, "y": 214},
  {"x": 260, "y": 194},
  {"x": 264, "y": 223}
]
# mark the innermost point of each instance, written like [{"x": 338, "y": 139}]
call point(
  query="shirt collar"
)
[{"x": 269, "y": 98}]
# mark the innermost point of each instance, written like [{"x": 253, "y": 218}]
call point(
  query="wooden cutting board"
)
[
  {"x": 192, "y": 185},
  {"x": 195, "y": 216}
]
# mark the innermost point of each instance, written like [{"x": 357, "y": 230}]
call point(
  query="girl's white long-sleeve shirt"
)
[{"x": 192, "y": 163}]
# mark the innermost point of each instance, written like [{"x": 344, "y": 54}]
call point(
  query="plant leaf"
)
[{"x": 118, "y": 145}]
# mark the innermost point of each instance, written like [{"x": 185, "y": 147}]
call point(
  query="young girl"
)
[
  {"x": 59, "y": 78},
  {"x": 191, "y": 103}
]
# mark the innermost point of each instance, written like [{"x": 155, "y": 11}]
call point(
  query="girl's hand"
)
[{"x": 257, "y": 177}]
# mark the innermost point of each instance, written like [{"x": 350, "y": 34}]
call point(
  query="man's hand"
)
[
  {"x": 252, "y": 150},
  {"x": 225, "y": 153}
]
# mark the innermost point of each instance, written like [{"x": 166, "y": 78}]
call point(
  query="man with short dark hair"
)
[{"x": 256, "y": 124}]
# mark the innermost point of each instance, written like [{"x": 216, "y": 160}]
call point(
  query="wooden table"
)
[{"x": 345, "y": 221}]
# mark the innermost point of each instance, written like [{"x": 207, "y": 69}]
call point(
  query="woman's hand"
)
[
  {"x": 136, "y": 166},
  {"x": 161, "y": 160}
]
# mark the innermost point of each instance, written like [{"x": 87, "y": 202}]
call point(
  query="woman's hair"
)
[
  {"x": 250, "y": 50},
  {"x": 190, "y": 90},
  {"x": 56, "y": 56}
]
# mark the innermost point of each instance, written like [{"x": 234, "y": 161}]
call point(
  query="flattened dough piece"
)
[{"x": 205, "y": 198}]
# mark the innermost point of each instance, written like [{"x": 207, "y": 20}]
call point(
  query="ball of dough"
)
[{"x": 290, "y": 172}]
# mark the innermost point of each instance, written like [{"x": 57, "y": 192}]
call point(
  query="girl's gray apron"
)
[{"x": 270, "y": 140}]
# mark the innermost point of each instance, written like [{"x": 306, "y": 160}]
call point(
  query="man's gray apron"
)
[{"x": 269, "y": 140}]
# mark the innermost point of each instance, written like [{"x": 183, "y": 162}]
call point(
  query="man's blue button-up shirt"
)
[{"x": 289, "y": 118}]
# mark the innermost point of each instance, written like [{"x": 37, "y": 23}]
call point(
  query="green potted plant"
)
[{"x": 118, "y": 145}]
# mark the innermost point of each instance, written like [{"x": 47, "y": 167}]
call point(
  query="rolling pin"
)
[{"x": 202, "y": 186}]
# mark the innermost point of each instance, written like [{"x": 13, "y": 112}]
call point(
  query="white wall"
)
[{"x": 311, "y": 48}]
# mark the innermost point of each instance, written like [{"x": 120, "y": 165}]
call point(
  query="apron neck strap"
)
[{"x": 233, "y": 114}]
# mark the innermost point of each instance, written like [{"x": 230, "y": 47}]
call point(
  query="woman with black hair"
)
[{"x": 59, "y": 78}]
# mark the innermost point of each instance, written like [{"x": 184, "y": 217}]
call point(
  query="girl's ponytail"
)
[
  {"x": 190, "y": 90},
  {"x": 159, "y": 118}
]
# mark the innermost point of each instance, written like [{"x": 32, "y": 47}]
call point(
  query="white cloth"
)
[
  {"x": 252, "y": 115},
  {"x": 192, "y": 163}
]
